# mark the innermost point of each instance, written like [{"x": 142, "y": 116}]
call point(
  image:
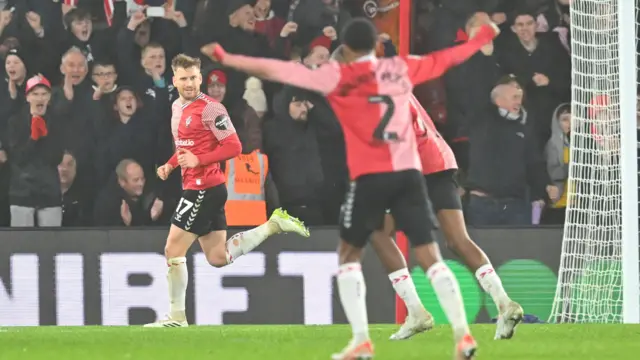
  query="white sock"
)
[
  {"x": 353, "y": 296},
  {"x": 447, "y": 290},
  {"x": 405, "y": 288},
  {"x": 490, "y": 282},
  {"x": 243, "y": 242},
  {"x": 178, "y": 279}
]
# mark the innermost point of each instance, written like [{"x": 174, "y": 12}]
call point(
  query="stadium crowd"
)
[{"x": 85, "y": 107}]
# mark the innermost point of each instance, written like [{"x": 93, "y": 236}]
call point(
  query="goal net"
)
[{"x": 598, "y": 279}]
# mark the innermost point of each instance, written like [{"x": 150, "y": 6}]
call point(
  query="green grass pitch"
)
[{"x": 562, "y": 342}]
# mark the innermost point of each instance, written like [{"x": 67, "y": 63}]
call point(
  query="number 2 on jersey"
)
[{"x": 380, "y": 133}]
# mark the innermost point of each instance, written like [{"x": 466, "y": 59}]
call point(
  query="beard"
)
[{"x": 188, "y": 94}]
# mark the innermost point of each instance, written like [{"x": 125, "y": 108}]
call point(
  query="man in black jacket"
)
[
  {"x": 504, "y": 159},
  {"x": 290, "y": 142},
  {"x": 127, "y": 200},
  {"x": 35, "y": 150}
]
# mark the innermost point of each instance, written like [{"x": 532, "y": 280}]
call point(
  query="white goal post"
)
[{"x": 599, "y": 274}]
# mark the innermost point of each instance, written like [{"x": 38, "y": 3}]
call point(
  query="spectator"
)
[
  {"x": 541, "y": 66},
  {"x": 35, "y": 150},
  {"x": 557, "y": 154},
  {"x": 93, "y": 44},
  {"x": 237, "y": 35},
  {"x": 242, "y": 115},
  {"x": 467, "y": 87},
  {"x": 75, "y": 203},
  {"x": 128, "y": 134},
  {"x": 504, "y": 159},
  {"x": 319, "y": 50},
  {"x": 290, "y": 143},
  {"x": 105, "y": 77},
  {"x": 255, "y": 96},
  {"x": 84, "y": 116},
  {"x": 129, "y": 201},
  {"x": 12, "y": 93},
  {"x": 267, "y": 23},
  {"x": 312, "y": 16},
  {"x": 252, "y": 193}
]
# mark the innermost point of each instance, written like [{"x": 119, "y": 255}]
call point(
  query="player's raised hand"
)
[
  {"x": 186, "y": 159},
  {"x": 164, "y": 171},
  {"x": 482, "y": 18},
  {"x": 214, "y": 51}
]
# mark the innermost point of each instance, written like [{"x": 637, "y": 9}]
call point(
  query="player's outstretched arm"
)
[
  {"x": 434, "y": 65},
  {"x": 323, "y": 80}
]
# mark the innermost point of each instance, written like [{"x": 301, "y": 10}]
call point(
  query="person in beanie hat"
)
[
  {"x": 254, "y": 96},
  {"x": 35, "y": 149},
  {"x": 217, "y": 84}
]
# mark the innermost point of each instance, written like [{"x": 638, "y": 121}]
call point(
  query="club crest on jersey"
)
[
  {"x": 188, "y": 121},
  {"x": 222, "y": 122}
]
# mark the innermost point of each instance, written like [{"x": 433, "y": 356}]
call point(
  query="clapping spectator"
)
[
  {"x": 128, "y": 200},
  {"x": 84, "y": 116},
  {"x": 35, "y": 150},
  {"x": 105, "y": 77}
]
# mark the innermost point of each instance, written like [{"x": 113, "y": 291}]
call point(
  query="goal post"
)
[
  {"x": 627, "y": 45},
  {"x": 599, "y": 275}
]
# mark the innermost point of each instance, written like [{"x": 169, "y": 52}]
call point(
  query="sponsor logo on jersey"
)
[
  {"x": 188, "y": 121},
  {"x": 187, "y": 142},
  {"x": 222, "y": 122}
]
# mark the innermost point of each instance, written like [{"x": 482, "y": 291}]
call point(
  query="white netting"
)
[{"x": 590, "y": 274}]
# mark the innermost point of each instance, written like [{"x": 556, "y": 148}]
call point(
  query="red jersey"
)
[
  {"x": 435, "y": 153},
  {"x": 203, "y": 127},
  {"x": 370, "y": 98}
]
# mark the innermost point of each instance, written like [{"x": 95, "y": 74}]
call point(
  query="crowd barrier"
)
[{"x": 118, "y": 277}]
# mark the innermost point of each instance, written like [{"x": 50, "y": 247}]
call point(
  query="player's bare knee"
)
[
  {"x": 216, "y": 259},
  {"x": 172, "y": 251}
]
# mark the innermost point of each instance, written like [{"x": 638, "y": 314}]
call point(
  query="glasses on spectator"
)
[{"x": 104, "y": 74}]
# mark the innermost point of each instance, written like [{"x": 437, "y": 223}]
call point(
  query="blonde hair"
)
[{"x": 184, "y": 61}]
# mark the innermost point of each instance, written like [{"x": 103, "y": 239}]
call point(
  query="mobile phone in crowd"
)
[{"x": 155, "y": 11}]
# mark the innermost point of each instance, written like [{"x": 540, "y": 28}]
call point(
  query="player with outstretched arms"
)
[
  {"x": 370, "y": 98},
  {"x": 204, "y": 137},
  {"x": 439, "y": 166}
]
